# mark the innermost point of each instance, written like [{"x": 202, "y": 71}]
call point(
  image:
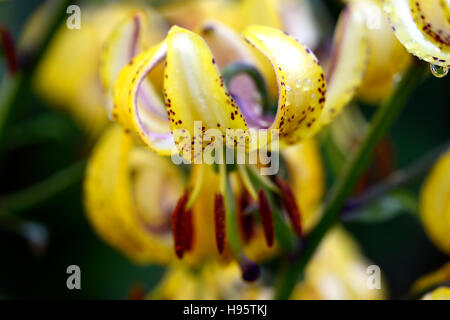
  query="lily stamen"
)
[
  {"x": 219, "y": 221},
  {"x": 290, "y": 205},
  {"x": 265, "y": 213}
]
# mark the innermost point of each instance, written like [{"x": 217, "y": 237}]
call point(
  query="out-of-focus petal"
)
[
  {"x": 442, "y": 293},
  {"x": 423, "y": 27},
  {"x": 435, "y": 204},
  {"x": 337, "y": 271},
  {"x": 114, "y": 209},
  {"x": 348, "y": 62},
  {"x": 301, "y": 82},
  {"x": 194, "y": 89},
  {"x": 387, "y": 57},
  {"x": 261, "y": 12},
  {"x": 68, "y": 74},
  {"x": 307, "y": 180}
]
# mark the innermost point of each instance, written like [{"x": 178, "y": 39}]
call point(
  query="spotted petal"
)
[
  {"x": 423, "y": 27},
  {"x": 137, "y": 108},
  {"x": 301, "y": 82},
  {"x": 194, "y": 89}
]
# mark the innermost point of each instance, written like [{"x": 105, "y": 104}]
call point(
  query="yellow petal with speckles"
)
[
  {"x": 423, "y": 27},
  {"x": 301, "y": 82},
  {"x": 194, "y": 91}
]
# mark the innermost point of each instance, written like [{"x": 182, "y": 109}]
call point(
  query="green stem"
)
[
  {"x": 42, "y": 190},
  {"x": 236, "y": 68},
  {"x": 381, "y": 123}
]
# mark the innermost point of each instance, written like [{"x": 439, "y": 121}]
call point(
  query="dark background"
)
[{"x": 30, "y": 153}]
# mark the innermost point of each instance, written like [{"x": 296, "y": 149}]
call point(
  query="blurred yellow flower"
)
[
  {"x": 435, "y": 204},
  {"x": 337, "y": 271},
  {"x": 68, "y": 74}
]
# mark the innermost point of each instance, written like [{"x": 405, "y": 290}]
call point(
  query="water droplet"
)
[
  {"x": 288, "y": 88},
  {"x": 298, "y": 84},
  {"x": 438, "y": 71}
]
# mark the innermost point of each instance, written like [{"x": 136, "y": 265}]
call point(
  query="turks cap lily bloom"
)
[
  {"x": 423, "y": 27},
  {"x": 435, "y": 204},
  {"x": 337, "y": 271},
  {"x": 67, "y": 75}
]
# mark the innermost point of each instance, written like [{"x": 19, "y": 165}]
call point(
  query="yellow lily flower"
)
[
  {"x": 67, "y": 75},
  {"x": 337, "y": 271},
  {"x": 435, "y": 204},
  {"x": 422, "y": 27}
]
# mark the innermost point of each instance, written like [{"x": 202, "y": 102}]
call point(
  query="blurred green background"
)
[{"x": 39, "y": 142}]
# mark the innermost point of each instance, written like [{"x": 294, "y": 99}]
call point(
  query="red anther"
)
[
  {"x": 188, "y": 230},
  {"x": 291, "y": 205},
  {"x": 177, "y": 226},
  {"x": 10, "y": 51},
  {"x": 265, "y": 213},
  {"x": 219, "y": 222}
]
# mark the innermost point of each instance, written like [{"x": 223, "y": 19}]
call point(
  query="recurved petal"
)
[
  {"x": 110, "y": 204},
  {"x": 227, "y": 47},
  {"x": 348, "y": 62},
  {"x": 122, "y": 45},
  {"x": 423, "y": 27},
  {"x": 301, "y": 82},
  {"x": 136, "y": 105},
  {"x": 194, "y": 91}
]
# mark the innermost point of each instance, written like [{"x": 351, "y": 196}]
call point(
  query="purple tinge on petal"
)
[
  {"x": 244, "y": 93},
  {"x": 143, "y": 95},
  {"x": 253, "y": 119}
]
